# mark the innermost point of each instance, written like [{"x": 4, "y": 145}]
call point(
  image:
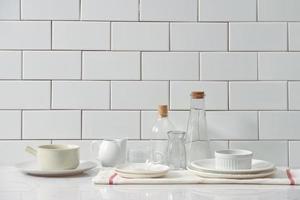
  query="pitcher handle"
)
[{"x": 31, "y": 150}]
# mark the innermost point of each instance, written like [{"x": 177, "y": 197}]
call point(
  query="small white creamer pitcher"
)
[{"x": 110, "y": 152}]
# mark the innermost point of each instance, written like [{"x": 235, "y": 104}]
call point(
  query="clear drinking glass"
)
[{"x": 176, "y": 150}]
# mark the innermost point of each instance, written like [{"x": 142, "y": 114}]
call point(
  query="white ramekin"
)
[{"x": 233, "y": 159}]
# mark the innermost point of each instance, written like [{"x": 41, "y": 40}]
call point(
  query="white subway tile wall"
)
[{"x": 72, "y": 71}]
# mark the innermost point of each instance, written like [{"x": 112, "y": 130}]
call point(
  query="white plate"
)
[
  {"x": 142, "y": 169},
  {"x": 31, "y": 167},
  {"x": 230, "y": 176},
  {"x": 130, "y": 175},
  {"x": 208, "y": 165}
]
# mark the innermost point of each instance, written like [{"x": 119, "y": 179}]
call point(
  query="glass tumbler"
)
[{"x": 176, "y": 155}]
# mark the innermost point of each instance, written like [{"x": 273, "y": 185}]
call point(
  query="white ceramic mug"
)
[{"x": 56, "y": 156}]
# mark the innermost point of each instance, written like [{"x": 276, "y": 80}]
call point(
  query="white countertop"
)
[{"x": 17, "y": 186}]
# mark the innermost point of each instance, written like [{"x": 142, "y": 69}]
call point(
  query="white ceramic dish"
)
[
  {"x": 153, "y": 175},
  {"x": 142, "y": 169},
  {"x": 208, "y": 165},
  {"x": 32, "y": 168},
  {"x": 230, "y": 176},
  {"x": 233, "y": 159}
]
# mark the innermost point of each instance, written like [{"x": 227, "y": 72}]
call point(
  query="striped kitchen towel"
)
[{"x": 283, "y": 176}]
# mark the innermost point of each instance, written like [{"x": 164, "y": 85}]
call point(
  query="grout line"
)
[
  {"x": 20, "y": 10},
  {"x": 288, "y": 38},
  {"x": 141, "y": 66},
  {"x": 21, "y": 124},
  {"x": 198, "y": 10},
  {"x": 109, "y": 96},
  {"x": 258, "y": 124},
  {"x": 140, "y": 125},
  {"x": 169, "y": 36},
  {"x": 51, "y": 94},
  {"x": 257, "y": 10},
  {"x": 228, "y": 49},
  {"x": 288, "y": 96},
  {"x": 199, "y": 66},
  {"x": 81, "y": 65},
  {"x": 228, "y": 94},
  {"x": 80, "y": 9},
  {"x": 139, "y": 10},
  {"x": 257, "y": 67},
  {"x": 81, "y": 122},
  {"x": 51, "y": 25}
]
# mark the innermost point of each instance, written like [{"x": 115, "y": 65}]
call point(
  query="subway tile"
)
[
  {"x": 198, "y": 36},
  {"x": 121, "y": 10},
  {"x": 278, "y": 10},
  {"x": 25, "y": 94},
  {"x": 52, "y": 124},
  {"x": 279, "y": 125},
  {"x": 215, "y": 98},
  {"x": 16, "y": 150},
  {"x": 294, "y": 95},
  {"x": 85, "y": 148},
  {"x": 232, "y": 125},
  {"x": 111, "y": 124},
  {"x": 178, "y": 118},
  {"x": 228, "y": 66},
  {"x": 140, "y": 36},
  {"x": 81, "y": 35},
  {"x": 25, "y": 35},
  {"x": 170, "y": 66},
  {"x": 294, "y": 149},
  {"x": 51, "y": 65},
  {"x": 272, "y": 151},
  {"x": 294, "y": 36},
  {"x": 168, "y": 10},
  {"x": 80, "y": 94},
  {"x": 10, "y": 124},
  {"x": 9, "y": 9},
  {"x": 138, "y": 94},
  {"x": 279, "y": 66},
  {"x": 50, "y": 9},
  {"x": 111, "y": 65},
  {"x": 227, "y": 10},
  {"x": 10, "y": 64},
  {"x": 257, "y": 36},
  {"x": 263, "y": 95}
]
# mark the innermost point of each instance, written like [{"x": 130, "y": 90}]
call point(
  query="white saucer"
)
[
  {"x": 208, "y": 165},
  {"x": 31, "y": 167},
  {"x": 142, "y": 168},
  {"x": 230, "y": 176}
]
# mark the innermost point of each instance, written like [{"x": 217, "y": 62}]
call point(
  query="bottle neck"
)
[{"x": 197, "y": 104}]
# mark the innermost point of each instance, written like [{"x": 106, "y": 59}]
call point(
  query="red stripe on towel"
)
[
  {"x": 111, "y": 179},
  {"x": 290, "y": 176}
]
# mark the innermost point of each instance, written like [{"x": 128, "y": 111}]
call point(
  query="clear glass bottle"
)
[
  {"x": 160, "y": 134},
  {"x": 197, "y": 141}
]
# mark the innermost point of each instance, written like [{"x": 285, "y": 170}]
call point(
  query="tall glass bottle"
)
[
  {"x": 197, "y": 140},
  {"x": 160, "y": 134}
]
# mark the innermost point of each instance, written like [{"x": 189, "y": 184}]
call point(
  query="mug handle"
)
[
  {"x": 31, "y": 150},
  {"x": 94, "y": 147}
]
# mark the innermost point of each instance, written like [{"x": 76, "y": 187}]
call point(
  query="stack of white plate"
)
[
  {"x": 206, "y": 168},
  {"x": 142, "y": 170}
]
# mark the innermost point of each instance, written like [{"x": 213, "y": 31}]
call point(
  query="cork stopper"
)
[
  {"x": 163, "y": 110},
  {"x": 197, "y": 94}
]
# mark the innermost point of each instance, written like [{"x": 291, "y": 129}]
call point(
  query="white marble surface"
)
[{"x": 17, "y": 186}]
